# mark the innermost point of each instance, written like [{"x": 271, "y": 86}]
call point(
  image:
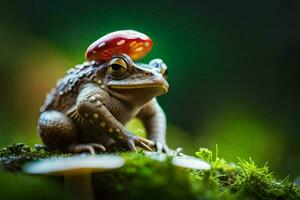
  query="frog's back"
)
[{"x": 64, "y": 94}]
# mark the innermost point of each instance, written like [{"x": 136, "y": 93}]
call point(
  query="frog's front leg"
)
[
  {"x": 91, "y": 109},
  {"x": 154, "y": 120}
]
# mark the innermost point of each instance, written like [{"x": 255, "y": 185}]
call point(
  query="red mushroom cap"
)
[{"x": 133, "y": 43}]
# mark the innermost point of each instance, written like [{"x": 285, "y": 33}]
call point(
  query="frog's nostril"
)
[{"x": 146, "y": 74}]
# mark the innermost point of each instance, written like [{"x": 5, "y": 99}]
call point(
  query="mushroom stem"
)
[
  {"x": 77, "y": 171},
  {"x": 80, "y": 185}
]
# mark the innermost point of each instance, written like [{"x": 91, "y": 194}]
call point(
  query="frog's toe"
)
[
  {"x": 90, "y": 147},
  {"x": 162, "y": 147},
  {"x": 98, "y": 147},
  {"x": 145, "y": 146},
  {"x": 137, "y": 141},
  {"x": 79, "y": 148},
  {"x": 131, "y": 146},
  {"x": 144, "y": 143}
]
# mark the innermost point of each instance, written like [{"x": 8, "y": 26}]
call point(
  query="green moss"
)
[
  {"x": 145, "y": 178},
  {"x": 245, "y": 179},
  {"x": 14, "y": 156}
]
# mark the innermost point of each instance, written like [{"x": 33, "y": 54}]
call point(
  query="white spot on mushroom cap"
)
[
  {"x": 147, "y": 44},
  {"x": 74, "y": 164},
  {"x": 101, "y": 44},
  {"x": 190, "y": 162},
  {"x": 120, "y": 42}
]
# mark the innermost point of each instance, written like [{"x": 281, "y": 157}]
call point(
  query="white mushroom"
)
[
  {"x": 190, "y": 162},
  {"x": 77, "y": 170},
  {"x": 180, "y": 160}
]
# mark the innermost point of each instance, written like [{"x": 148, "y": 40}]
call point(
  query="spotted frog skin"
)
[{"x": 89, "y": 108}]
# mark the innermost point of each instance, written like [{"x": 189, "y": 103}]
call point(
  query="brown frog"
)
[{"x": 89, "y": 108}]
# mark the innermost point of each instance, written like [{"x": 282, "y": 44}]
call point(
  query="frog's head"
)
[
  {"x": 121, "y": 76},
  {"x": 135, "y": 81}
]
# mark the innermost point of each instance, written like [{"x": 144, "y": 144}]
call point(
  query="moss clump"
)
[
  {"x": 244, "y": 179},
  {"x": 261, "y": 184},
  {"x": 14, "y": 156},
  {"x": 146, "y": 178}
]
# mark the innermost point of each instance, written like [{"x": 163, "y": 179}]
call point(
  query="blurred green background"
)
[{"x": 233, "y": 68}]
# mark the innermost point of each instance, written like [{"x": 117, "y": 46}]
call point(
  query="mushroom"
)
[
  {"x": 77, "y": 171},
  {"x": 133, "y": 43},
  {"x": 180, "y": 160},
  {"x": 190, "y": 162}
]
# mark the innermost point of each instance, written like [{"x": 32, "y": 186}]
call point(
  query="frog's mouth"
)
[{"x": 162, "y": 86}]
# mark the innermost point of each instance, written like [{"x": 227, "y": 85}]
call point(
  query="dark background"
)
[{"x": 233, "y": 68}]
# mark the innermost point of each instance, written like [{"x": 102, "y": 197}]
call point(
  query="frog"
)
[{"x": 88, "y": 109}]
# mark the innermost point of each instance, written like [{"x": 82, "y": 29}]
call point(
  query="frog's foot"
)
[
  {"x": 89, "y": 147},
  {"x": 134, "y": 141}
]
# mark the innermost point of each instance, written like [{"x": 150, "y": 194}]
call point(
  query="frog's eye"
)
[{"x": 117, "y": 67}]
